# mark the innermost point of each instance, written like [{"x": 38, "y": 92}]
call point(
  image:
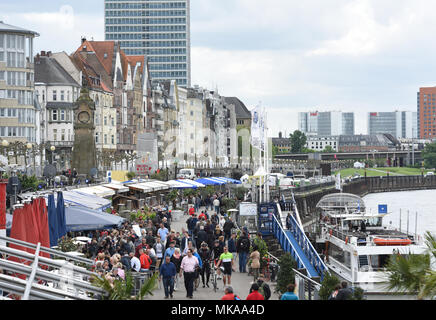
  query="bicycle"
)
[{"x": 213, "y": 277}]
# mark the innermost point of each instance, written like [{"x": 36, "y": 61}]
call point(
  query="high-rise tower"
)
[{"x": 159, "y": 29}]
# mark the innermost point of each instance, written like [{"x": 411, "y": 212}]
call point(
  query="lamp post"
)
[
  {"x": 52, "y": 149},
  {"x": 175, "y": 168}
]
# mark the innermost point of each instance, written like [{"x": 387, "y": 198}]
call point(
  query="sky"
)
[{"x": 288, "y": 56}]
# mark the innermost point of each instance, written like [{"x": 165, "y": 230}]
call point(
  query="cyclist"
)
[
  {"x": 205, "y": 255},
  {"x": 217, "y": 250},
  {"x": 226, "y": 259}
]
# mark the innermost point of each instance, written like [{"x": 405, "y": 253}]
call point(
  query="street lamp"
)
[
  {"x": 28, "y": 146},
  {"x": 5, "y": 143},
  {"x": 52, "y": 148}
]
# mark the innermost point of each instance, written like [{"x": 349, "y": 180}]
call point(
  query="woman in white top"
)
[{"x": 159, "y": 249}]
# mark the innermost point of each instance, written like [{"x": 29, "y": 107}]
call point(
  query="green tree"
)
[
  {"x": 328, "y": 284},
  {"x": 328, "y": 149},
  {"x": 298, "y": 141},
  {"x": 286, "y": 274},
  {"x": 429, "y": 155},
  {"x": 413, "y": 273}
]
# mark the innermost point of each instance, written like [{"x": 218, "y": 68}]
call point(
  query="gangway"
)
[{"x": 296, "y": 243}]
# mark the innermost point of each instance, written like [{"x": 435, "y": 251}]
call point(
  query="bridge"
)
[{"x": 397, "y": 157}]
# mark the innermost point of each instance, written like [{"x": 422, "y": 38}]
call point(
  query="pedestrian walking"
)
[
  {"x": 167, "y": 274},
  {"x": 226, "y": 260},
  {"x": 243, "y": 248},
  {"x": 188, "y": 266},
  {"x": 254, "y": 293},
  {"x": 289, "y": 294},
  {"x": 255, "y": 263}
]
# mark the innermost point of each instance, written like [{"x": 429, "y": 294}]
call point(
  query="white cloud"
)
[{"x": 59, "y": 30}]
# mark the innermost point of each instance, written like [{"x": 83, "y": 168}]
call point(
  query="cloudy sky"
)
[{"x": 289, "y": 56}]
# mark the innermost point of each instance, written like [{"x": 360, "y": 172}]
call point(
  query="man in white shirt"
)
[
  {"x": 216, "y": 204},
  {"x": 134, "y": 262}
]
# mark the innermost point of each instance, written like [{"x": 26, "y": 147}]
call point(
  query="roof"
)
[
  {"x": 49, "y": 71},
  {"x": 281, "y": 141},
  {"x": 91, "y": 66},
  {"x": 10, "y": 28},
  {"x": 240, "y": 109}
]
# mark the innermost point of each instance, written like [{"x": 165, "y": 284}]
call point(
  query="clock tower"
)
[{"x": 84, "y": 152}]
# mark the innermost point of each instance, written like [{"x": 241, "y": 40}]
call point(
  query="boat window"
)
[
  {"x": 374, "y": 222},
  {"x": 340, "y": 255}
]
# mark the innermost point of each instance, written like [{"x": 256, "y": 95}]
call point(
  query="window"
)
[
  {"x": 54, "y": 115},
  {"x": 105, "y": 121},
  {"x": 96, "y": 137},
  {"x": 113, "y": 139},
  {"x": 63, "y": 135},
  {"x": 112, "y": 121},
  {"x": 68, "y": 96},
  {"x": 2, "y": 56},
  {"x": 105, "y": 139},
  {"x": 62, "y": 95},
  {"x": 54, "y": 95},
  {"x": 68, "y": 115},
  {"x": 62, "y": 115},
  {"x": 55, "y": 134}
]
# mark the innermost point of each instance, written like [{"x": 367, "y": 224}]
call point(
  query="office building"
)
[
  {"x": 426, "y": 112},
  {"x": 158, "y": 29},
  {"x": 400, "y": 124},
  {"x": 18, "y": 118},
  {"x": 329, "y": 123}
]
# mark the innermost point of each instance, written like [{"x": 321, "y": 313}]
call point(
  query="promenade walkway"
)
[{"x": 241, "y": 282}]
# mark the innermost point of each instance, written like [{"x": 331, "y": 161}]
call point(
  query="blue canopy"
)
[
  {"x": 53, "y": 222},
  {"x": 208, "y": 181},
  {"x": 234, "y": 181}
]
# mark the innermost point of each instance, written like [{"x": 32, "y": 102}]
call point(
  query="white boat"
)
[{"x": 357, "y": 246}]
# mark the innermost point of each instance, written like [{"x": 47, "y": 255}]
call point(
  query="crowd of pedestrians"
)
[{"x": 208, "y": 244}]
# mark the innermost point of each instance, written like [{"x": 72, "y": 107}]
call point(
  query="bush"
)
[
  {"x": 240, "y": 193},
  {"x": 130, "y": 175},
  {"x": 328, "y": 284},
  {"x": 262, "y": 247},
  {"x": 286, "y": 274}
]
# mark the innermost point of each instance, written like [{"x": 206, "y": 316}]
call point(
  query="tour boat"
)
[{"x": 356, "y": 246}]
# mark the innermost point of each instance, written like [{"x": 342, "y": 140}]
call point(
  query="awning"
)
[
  {"x": 117, "y": 187},
  {"x": 180, "y": 185},
  {"x": 191, "y": 182},
  {"x": 99, "y": 191},
  {"x": 141, "y": 187},
  {"x": 210, "y": 181},
  {"x": 81, "y": 219},
  {"x": 230, "y": 180},
  {"x": 90, "y": 201}
]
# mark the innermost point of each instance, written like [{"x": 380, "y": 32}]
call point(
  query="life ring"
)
[{"x": 346, "y": 240}]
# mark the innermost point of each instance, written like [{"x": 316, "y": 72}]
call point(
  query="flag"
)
[
  {"x": 338, "y": 181},
  {"x": 258, "y": 127}
]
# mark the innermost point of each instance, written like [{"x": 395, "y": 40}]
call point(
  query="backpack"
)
[
  {"x": 245, "y": 244},
  {"x": 264, "y": 290}
]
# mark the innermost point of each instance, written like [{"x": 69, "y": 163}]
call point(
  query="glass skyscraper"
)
[
  {"x": 329, "y": 123},
  {"x": 159, "y": 29}
]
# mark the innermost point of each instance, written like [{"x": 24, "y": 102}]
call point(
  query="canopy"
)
[
  {"x": 260, "y": 172},
  {"x": 99, "y": 191},
  {"x": 191, "y": 182},
  {"x": 210, "y": 181},
  {"x": 87, "y": 200},
  {"x": 230, "y": 180},
  {"x": 141, "y": 186},
  {"x": 117, "y": 187},
  {"x": 180, "y": 185},
  {"x": 83, "y": 219}
]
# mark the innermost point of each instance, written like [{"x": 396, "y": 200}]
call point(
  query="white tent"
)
[
  {"x": 359, "y": 165},
  {"x": 99, "y": 191}
]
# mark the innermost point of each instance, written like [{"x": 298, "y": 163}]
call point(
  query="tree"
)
[
  {"x": 286, "y": 274},
  {"x": 328, "y": 284},
  {"x": 298, "y": 141},
  {"x": 328, "y": 149},
  {"x": 413, "y": 273},
  {"x": 429, "y": 155}
]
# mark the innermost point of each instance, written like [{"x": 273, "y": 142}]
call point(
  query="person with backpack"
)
[
  {"x": 264, "y": 288},
  {"x": 243, "y": 248},
  {"x": 229, "y": 295}
]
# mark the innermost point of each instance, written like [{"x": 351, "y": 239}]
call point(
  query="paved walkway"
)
[{"x": 241, "y": 282}]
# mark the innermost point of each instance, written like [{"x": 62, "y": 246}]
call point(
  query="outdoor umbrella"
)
[
  {"x": 60, "y": 210},
  {"x": 52, "y": 221}
]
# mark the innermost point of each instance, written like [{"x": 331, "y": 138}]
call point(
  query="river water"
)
[{"x": 422, "y": 203}]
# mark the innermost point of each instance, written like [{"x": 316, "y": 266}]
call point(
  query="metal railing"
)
[{"x": 307, "y": 247}]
